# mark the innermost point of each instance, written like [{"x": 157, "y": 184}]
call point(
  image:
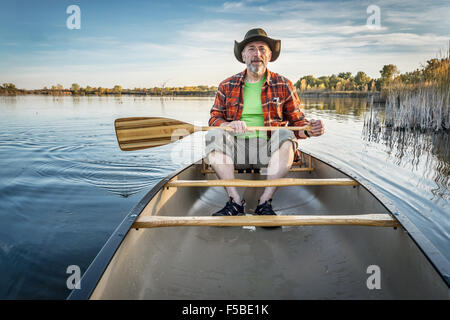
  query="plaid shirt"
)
[{"x": 280, "y": 102}]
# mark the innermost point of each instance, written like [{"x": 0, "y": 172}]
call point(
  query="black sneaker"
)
[
  {"x": 265, "y": 209},
  {"x": 231, "y": 209}
]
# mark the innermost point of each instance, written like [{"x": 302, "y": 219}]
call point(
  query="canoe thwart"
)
[
  {"x": 375, "y": 220},
  {"x": 282, "y": 182}
]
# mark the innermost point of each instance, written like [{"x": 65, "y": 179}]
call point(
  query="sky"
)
[{"x": 140, "y": 43}]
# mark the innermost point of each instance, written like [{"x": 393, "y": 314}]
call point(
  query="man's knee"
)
[
  {"x": 283, "y": 139},
  {"x": 215, "y": 135},
  {"x": 283, "y": 134},
  {"x": 287, "y": 146},
  {"x": 217, "y": 157},
  {"x": 217, "y": 140}
]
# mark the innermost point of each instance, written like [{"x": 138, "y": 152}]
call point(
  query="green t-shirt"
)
[{"x": 252, "y": 112}]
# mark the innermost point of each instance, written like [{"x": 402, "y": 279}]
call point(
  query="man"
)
[{"x": 255, "y": 97}]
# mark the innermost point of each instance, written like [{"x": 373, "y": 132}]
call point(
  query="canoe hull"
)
[{"x": 309, "y": 262}]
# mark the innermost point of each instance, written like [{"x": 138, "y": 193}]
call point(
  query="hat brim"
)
[{"x": 274, "y": 45}]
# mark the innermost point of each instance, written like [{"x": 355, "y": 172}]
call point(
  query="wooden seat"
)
[
  {"x": 282, "y": 182},
  {"x": 375, "y": 220}
]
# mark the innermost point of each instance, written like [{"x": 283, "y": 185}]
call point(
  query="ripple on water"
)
[{"x": 85, "y": 163}]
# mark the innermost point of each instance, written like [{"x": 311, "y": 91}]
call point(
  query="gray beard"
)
[{"x": 256, "y": 69}]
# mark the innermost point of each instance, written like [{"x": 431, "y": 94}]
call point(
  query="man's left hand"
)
[{"x": 317, "y": 128}]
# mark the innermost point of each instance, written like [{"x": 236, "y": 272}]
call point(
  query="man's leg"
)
[
  {"x": 282, "y": 144},
  {"x": 224, "y": 167},
  {"x": 220, "y": 148}
]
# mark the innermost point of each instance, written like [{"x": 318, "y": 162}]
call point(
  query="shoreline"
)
[{"x": 377, "y": 96}]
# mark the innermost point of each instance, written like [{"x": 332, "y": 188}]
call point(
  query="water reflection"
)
[
  {"x": 338, "y": 106},
  {"x": 413, "y": 147}
]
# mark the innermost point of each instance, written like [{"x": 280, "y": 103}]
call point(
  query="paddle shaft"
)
[{"x": 307, "y": 128}]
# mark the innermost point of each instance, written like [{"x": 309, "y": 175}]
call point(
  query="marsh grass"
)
[
  {"x": 420, "y": 100},
  {"x": 426, "y": 148}
]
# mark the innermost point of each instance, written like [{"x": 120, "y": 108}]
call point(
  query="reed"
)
[{"x": 420, "y": 100}]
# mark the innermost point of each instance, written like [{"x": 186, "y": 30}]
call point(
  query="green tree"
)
[
  {"x": 345, "y": 75},
  {"x": 325, "y": 81},
  {"x": 388, "y": 74},
  {"x": 435, "y": 68},
  {"x": 334, "y": 81},
  {"x": 303, "y": 85},
  {"x": 361, "y": 80},
  {"x": 75, "y": 87},
  {"x": 9, "y": 86},
  {"x": 117, "y": 89}
]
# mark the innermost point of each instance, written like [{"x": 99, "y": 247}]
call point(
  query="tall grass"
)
[{"x": 423, "y": 102}]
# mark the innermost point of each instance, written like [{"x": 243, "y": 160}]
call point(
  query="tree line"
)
[
  {"x": 345, "y": 81},
  {"x": 434, "y": 70},
  {"x": 390, "y": 75},
  {"x": 76, "y": 89}
]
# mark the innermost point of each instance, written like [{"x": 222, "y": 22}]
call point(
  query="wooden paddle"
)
[{"x": 141, "y": 133}]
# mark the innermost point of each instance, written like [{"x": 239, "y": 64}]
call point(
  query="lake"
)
[{"x": 65, "y": 184}]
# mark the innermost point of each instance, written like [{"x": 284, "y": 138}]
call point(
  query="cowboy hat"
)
[{"x": 257, "y": 35}]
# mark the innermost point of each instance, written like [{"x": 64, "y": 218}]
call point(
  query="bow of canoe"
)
[{"x": 314, "y": 260}]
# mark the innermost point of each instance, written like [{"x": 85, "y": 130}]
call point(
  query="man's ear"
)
[{"x": 243, "y": 55}]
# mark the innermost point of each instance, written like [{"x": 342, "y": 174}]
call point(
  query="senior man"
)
[{"x": 255, "y": 97}]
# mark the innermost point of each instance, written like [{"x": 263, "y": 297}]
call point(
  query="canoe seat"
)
[
  {"x": 282, "y": 182},
  {"x": 374, "y": 220}
]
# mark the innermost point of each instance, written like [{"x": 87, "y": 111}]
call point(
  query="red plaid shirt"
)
[{"x": 280, "y": 102}]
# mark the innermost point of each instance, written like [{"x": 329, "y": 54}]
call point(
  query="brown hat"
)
[{"x": 257, "y": 35}]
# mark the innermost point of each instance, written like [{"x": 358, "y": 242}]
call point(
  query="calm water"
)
[{"x": 65, "y": 185}]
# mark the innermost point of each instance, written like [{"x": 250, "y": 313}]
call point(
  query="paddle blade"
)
[{"x": 141, "y": 133}]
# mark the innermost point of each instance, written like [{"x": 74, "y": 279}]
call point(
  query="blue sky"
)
[{"x": 145, "y": 43}]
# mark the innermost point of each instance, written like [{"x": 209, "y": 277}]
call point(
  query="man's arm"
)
[
  {"x": 296, "y": 117},
  {"x": 218, "y": 110},
  {"x": 293, "y": 112},
  {"x": 218, "y": 114}
]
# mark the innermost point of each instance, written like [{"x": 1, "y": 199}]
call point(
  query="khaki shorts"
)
[{"x": 248, "y": 153}]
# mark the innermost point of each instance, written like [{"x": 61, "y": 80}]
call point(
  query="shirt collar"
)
[{"x": 241, "y": 77}]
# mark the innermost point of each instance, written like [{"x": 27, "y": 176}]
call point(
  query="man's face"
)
[{"x": 256, "y": 56}]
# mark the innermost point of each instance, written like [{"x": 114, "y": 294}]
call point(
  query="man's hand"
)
[
  {"x": 317, "y": 128},
  {"x": 238, "y": 126}
]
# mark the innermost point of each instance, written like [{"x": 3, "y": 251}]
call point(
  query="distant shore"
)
[
  {"x": 78, "y": 94},
  {"x": 377, "y": 97}
]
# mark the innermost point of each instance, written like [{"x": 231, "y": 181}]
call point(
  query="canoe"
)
[{"x": 338, "y": 238}]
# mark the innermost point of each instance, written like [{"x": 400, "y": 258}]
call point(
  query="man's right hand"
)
[{"x": 238, "y": 126}]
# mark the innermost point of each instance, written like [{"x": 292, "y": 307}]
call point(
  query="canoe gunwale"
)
[{"x": 94, "y": 272}]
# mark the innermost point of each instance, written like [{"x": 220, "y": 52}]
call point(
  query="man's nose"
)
[{"x": 258, "y": 53}]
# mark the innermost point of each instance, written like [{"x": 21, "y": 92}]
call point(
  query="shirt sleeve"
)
[
  {"x": 292, "y": 111},
  {"x": 218, "y": 110}
]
